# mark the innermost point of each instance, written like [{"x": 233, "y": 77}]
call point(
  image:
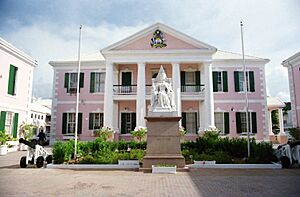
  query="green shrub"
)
[{"x": 58, "y": 152}]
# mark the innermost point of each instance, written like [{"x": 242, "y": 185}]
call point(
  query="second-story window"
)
[
  {"x": 239, "y": 81},
  {"x": 97, "y": 82},
  {"x": 220, "y": 81},
  {"x": 190, "y": 81},
  {"x": 71, "y": 82}
]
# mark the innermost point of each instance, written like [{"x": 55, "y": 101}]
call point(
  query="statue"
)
[{"x": 162, "y": 94}]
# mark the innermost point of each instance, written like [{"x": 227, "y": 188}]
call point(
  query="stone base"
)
[
  {"x": 163, "y": 142},
  {"x": 150, "y": 160}
]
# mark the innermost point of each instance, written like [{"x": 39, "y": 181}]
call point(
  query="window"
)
[
  {"x": 220, "y": 81},
  {"x": 154, "y": 73},
  {"x": 97, "y": 82},
  {"x": 222, "y": 121},
  {"x": 190, "y": 81},
  {"x": 68, "y": 123},
  {"x": 241, "y": 123},
  {"x": 35, "y": 116},
  {"x": 31, "y": 116},
  {"x": 95, "y": 121},
  {"x": 189, "y": 122},
  {"x": 12, "y": 80},
  {"x": 128, "y": 122},
  {"x": 39, "y": 116},
  {"x": 71, "y": 82},
  {"x": 42, "y": 117},
  {"x": 239, "y": 81},
  {"x": 9, "y": 122}
]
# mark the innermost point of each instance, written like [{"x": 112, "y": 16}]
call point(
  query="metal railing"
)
[
  {"x": 122, "y": 89},
  {"x": 192, "y": 88}
]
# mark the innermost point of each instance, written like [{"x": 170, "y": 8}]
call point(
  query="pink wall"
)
[
  {"x": 187, "y": 105},
  {"x": 144, "y": 43},
  {"x": 85, "y": 94},
  {"x": 231, "y": 94},
  {"x": 238, "y": 107},
  {"x": 129, "y": 67},
  {"x": 296, "y": 76},
  {"x": 150, "y": 67}
]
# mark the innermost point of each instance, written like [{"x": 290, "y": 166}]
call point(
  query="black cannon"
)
[{"x": 36, "y": 154}]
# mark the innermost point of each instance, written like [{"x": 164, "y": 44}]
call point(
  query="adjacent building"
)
[
  {"x": 115, "y": 87},
  {"x": 16, "y": 74},
  {"x": 293, "y": 66}
]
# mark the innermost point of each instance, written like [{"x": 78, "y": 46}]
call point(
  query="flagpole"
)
[
  {"x": 246, "y": 92},
  {"x": 77, "y": 93}
]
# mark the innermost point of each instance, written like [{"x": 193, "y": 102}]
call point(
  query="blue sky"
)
[{"x": 48, "y": 30}]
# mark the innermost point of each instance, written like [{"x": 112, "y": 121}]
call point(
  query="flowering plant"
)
[
  {"x": 139, "y": 133},
  {"x": 104, "y": 133},
  {"x": 182, "y": 131}
]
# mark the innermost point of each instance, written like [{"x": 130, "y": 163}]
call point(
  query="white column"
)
[
  {"x": 209, "y": 97},
  {"x": 280, "y": 116},
  {"x": 176, "y": 86},
  {"x": 108, "y": 96},
  {"x": 270, "y": 123},
  {"x": 141, "y": 96}
]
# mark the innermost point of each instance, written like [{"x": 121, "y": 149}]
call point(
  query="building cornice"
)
[
  {"x": 292, "y": 61},
  {"x": 9, "y": 48}
]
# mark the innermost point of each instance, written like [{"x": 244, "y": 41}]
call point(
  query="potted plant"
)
[
  {"x": 164, "y": 169},
  {"x": 3, "y": 145},
  {"x": 26, "y": 132}
]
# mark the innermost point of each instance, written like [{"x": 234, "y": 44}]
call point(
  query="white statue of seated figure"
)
[{"x": 162, "y": 94}]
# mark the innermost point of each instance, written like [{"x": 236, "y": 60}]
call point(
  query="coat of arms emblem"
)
[{"x": 158, "y": 40}]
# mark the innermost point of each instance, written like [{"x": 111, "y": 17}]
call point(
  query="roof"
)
[
  {"x": 6, "y": 46},
  {"x": 84, "y": 58},
  {"x": 226, "y": 55},
  {"x": 39, "y": 108},
  {"x": 292, "y": 60},
  {"x": 274, "y": 103}
]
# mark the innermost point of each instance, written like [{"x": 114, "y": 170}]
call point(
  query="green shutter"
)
[
  {"x": 15, "y": 128},
  {"x": 64, "y": 123},
  {"x": 196, "y": 120},
  {"x": 123, "y": 123},
  {"x": 225, "y": 81},
  {"x": 12, "y": 80},
  {"x": 81, "y": 80},
  {"x": 254, "y": 122},
  {"x": 91, "y": 121},
  {"x": 198, "y": 81},
  {"x": 251, "y": 79},
  {"x": 79, "y": 126},
  {"x": 226, "y": 122},
  {"x": 67, "y": 80},
  {"x": 183, "y": 120},
  {"x": 133, "y": 121},
  {"x": 2, "y": 120},
  {"x": 215, "y": 81},
  {"x": 236, "y": 81},
  {"x": 92, "y": 83},
  {"x": 182, "y": 78},
  {"x": 238, "y": 122}
]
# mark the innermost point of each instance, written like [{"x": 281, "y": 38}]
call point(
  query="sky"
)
[{"x": 49, "y": 30}]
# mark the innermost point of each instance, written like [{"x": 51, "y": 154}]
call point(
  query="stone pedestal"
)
[
  {"x": 278, "y": 139},
  {"x": 163, "y": 142}
]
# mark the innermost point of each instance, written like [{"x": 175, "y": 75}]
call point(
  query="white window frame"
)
[
  {"x": 244, "y": 123},
  {"x": 192, "y": 130},
  {"x": 68, "y": 130},
  {"x": 220, "y": 81},
  {"x": 99, "y": 82},
  {"x": 241, "y": 81},
  {"x": 222, "y": 129},
  {"x": 190, "y": 74},
  {"x": 100, "y": 121},
  {"x": 9, "y": 123}
]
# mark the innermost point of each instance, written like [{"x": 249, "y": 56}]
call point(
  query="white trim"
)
[
  {"x": 86, "y": 102},
  {"x": 240, "y": 101}
]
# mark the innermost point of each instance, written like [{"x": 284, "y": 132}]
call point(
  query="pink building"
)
[
  {"x": 16, "y": 74},
  {"x": 115, "y": 86},
  {"x": 293, "y": 66}
]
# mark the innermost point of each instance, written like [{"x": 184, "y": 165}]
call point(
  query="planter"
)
[
  {"x": 163, "y": 170},
  {"x": 12, "y": 146},
  {"x": 3, "y": 150},
  {"x": 128, "y": 162},
  {"x": 23, "y": 147},
  {"x": 204, "y": 162}
]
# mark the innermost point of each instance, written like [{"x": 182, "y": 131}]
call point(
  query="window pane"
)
[
  {"x": 219, "y": 81},
  {"x": 191, "y": 122},
  {"x": 219, "y": 121},
  {"x": 190, "y": 78},
  {"x": 73, "y": 80}
]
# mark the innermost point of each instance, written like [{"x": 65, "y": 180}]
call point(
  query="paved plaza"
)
[{"x": 201, "y": 182}]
